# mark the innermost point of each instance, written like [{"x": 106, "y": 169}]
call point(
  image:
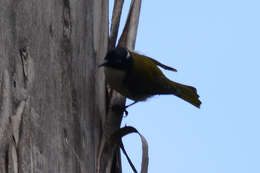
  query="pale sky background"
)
[{"x": 215, "y": 46}]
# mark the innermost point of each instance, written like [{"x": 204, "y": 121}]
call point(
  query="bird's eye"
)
[{"x": 119, "y": 61}]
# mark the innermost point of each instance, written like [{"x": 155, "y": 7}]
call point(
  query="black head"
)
[{"x": 119, "y": 58}]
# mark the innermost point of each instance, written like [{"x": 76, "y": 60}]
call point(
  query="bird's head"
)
[{"x": 118, "y": 58}]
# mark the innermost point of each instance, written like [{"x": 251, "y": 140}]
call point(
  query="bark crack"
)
[
  {"x": 66, "y": 19},
  {"x": 28, "y": 68}
]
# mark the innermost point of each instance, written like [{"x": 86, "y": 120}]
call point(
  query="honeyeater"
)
[{"x": 138, "y": 77}]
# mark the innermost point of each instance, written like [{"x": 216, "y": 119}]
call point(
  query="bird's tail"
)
[{"x": 185, "y": 92}]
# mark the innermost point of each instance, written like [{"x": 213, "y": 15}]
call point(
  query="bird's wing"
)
[
  {"x": 162, "y": 65},
  {"x": 158, "y": 63}
]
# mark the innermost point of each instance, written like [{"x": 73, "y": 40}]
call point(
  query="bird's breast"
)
[
  {"x": 115, "y": 78},
  {"x": 134, "y": 88}
]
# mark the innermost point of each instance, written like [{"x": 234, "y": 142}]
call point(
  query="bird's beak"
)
[{"x": 103, "y": 64}]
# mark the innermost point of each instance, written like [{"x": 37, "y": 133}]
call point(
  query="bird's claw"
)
[{"x": 119, "y": 109}]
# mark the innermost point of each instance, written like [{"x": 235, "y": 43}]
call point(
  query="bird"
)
[{"x": 138, "y": 77}]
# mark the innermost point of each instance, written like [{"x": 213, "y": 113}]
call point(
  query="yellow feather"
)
[{"x": 147, "y": 78}]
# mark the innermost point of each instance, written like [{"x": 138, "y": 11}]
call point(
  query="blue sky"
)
[{"x": 215, "y": 46}]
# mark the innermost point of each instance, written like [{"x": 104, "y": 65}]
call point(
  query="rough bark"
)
[{"x": 52, "y": 95}]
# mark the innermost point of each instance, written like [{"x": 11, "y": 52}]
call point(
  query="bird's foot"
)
[{"x": 120, "y": 109}]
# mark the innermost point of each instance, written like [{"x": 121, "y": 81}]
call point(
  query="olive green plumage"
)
[{"x": 138, "y": 77}]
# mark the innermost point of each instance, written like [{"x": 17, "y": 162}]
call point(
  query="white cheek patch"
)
[{"x": 128, "y": 55}]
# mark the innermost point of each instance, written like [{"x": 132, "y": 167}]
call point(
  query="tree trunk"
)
[{"x": 52, "y": 95}]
